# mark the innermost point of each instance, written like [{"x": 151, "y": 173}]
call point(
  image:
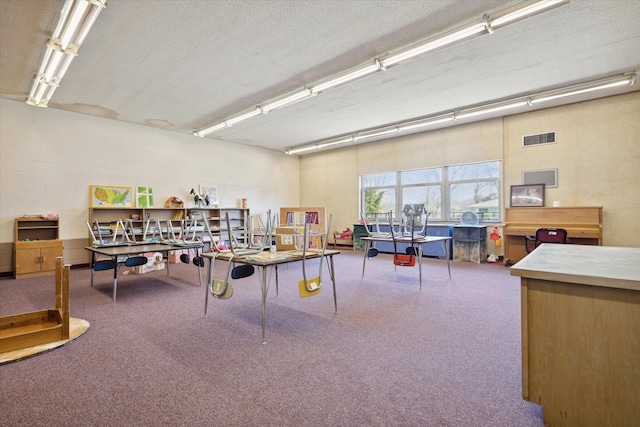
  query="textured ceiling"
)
[{"x": 183, "y": 65}]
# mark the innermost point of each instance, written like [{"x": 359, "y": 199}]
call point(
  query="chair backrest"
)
[
  {"x": 551, "y": 235},
  {"x": 407, "y": 259}
]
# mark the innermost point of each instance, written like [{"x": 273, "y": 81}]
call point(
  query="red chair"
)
[{"x": 545, "y": 235}]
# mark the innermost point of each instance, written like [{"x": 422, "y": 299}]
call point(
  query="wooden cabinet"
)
[
  {"x": 36, "y": 247},
  {"x": 580, "y": 319},
  {"x": 583, "y": 225}
]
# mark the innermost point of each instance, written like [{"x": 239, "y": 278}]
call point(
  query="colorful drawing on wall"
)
[
  {"x": 107, "y": 196},
  {"x": 209, "y": 193},
  {"x": 145, "y": 197}
]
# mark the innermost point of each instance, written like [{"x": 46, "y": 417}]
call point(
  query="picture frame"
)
[
  {"x": 211, "y": 192},
  {"x": 144, "y": 197},
  {"x": 530, "y": 195},
  {"x": 110, "y": 196}
]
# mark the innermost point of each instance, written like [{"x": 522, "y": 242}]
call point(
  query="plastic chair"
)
[{"x": 545, "y": 235}]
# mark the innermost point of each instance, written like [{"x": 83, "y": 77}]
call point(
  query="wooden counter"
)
[
  {"x": 583, "y": 225},
  {"x": 581, "y": 334}
]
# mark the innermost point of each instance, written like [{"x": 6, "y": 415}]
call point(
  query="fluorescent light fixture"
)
[
  {"x": 204, "y": 132},
  {"x": 295, "y": 97},
  {"x": 346, "y": 77},
  {"x": 426, "y": 122},
  {"x": 434, "y": 43},
  {"x": 491, "y": 108},
  {"x": 483, "y": 26},
  {"x": 627, "y": 79},
  {"x": 522, "y": 11},
  {"x": 374, "y": 133},
  {"x": 325, "y": 144},
  {"x": 232, "y": 121},
  {"x": 76, "y": 19},
  {"x": 301, "y": 149},
  {"x": 336, "y": 142}
]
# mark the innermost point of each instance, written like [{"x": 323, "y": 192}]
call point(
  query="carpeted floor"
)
[{"x": 393, "y": 355}]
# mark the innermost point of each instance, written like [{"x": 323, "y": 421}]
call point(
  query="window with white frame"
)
[{"x": 446, "y": 192}]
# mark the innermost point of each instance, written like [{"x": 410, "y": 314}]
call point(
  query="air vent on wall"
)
[
  {"x": 541, "y": 138},
  {"x": 548, "y": 177}
]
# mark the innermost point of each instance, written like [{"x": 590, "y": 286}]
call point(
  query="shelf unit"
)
[
  {"x": 108, "y": 218},
  {"x": 469, "y": 243},
  {"x": 290, "y": 216},
  {"x": 37, "y": 245}
]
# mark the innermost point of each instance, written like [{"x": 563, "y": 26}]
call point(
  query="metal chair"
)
[{"x": 545, "y": 235}]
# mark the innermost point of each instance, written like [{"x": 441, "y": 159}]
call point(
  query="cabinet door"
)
[
  {"x": 49, "y": 258},
  {"x": 28, "y": 261}
]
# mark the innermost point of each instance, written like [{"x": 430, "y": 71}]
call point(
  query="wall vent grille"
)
[
  {"x": 539, "y": 139},
  {"x": 548, "y": 177}
]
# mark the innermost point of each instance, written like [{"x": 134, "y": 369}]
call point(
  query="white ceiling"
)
[{"x": 183, "y": 65}]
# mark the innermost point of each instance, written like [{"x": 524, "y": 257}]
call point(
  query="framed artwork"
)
[
  {"x": 109, "y": 196},
  {"x": 144, "y": 197},
  {"x": 527, "y": 195},
  {"x": 210, "y": 192}
]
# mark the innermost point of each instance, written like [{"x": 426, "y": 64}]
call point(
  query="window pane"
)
[
  {"x": 474, "y": 171},
  {"x": 421, "y": 176},
  {"x": 480, "y": 197},
  {"x": 429, "y": 195},
  {"x": 379, "y": 200},
  {"x": 379, "y": 179}
]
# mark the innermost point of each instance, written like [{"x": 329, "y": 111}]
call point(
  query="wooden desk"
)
[
  {"x": 116, "y": 253},
  {"x": 370, "y": 241},
  {"x": 581, "y": 334},
  {"x": 262, "y": 267},
  {"x": 583, "y": 225}
]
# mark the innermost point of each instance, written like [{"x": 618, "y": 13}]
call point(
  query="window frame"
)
[{"x": 445, "y": 184}]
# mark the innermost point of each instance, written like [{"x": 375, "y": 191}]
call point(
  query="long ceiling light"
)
[
  {"x": 521, "y": 11},
  {"x": 627, "y": 79},
  {"x": 347, "y": 77},
  {"x": 242, "y": 117},
  {"x": 491, "y": 108},
  {"x": 468, "y": 112},
  {"x": 426, "y": 122},
  {"x": 287, "y": 100},
  {"x": 449, "y": 38},
  {"x": 484, "y": 26},
  {"x": 76, "y": 19}
]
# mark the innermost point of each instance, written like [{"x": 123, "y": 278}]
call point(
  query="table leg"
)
[
  {"x": 333, "y": 281},
  {"x": 93, "y": 262},
  {"x": 199, "y": 270},
  {"x": 209, "y": 279},
  {"x": 115, "y": 277},
  {"x": 263, "y": 286},
  {"x": 420, "y": 264},
  {"x": 277, "y": 291},
  {"x": 367, "y": 244},
  {"x": 445, "y": 246}
]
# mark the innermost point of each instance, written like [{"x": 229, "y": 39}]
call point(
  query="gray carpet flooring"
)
[{"x": 393, "y": 355}]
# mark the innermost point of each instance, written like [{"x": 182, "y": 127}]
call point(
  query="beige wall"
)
[
  {"x": 597, "y": 156},
  {"x": 48, "y": 159}
]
